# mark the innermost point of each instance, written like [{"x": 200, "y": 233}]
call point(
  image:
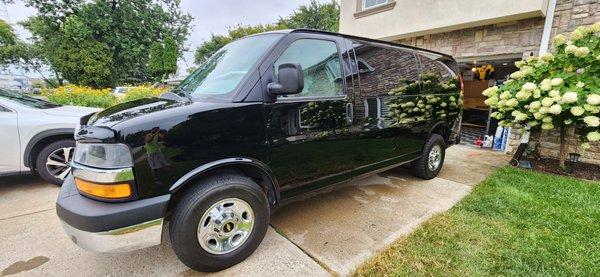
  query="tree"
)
[
  {"x": 555, "y": 91},
  {"x": 315, "y": 15},
  {"x": 117, "y": 35},
  {"x": 163, "y": 59},
  {"x": 8, "y": 44}
]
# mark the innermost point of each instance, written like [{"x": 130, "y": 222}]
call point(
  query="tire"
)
[
  {"x": 49, "y": 159},
  {"x": 185, "y": 228},
  {"x": 421, "y": 167}
]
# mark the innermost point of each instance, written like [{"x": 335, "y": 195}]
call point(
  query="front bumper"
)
[{"x": 110, "y": 227}]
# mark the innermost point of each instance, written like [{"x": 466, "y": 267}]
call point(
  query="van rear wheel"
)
[
  {"x": 430, "y": 163},
  {"x": 219, "y": 222}
]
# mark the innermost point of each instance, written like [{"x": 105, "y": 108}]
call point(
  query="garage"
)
[{"x": 479, "y": 73}]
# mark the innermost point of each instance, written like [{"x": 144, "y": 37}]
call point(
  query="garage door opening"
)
[{"x": 480, "y": 73}]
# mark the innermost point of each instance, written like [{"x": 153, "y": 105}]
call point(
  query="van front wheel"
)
[
  {"x": 430, "y": 163},
  {"x": 219, "y": 222}
]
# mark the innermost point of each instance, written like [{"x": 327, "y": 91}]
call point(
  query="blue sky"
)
[{"x": 209, "y": 17}]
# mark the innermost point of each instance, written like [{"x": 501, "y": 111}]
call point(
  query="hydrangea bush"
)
[{"x": 556, "y": 90}]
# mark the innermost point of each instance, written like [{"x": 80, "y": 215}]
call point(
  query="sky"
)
[{"x": 209, "y": 17}]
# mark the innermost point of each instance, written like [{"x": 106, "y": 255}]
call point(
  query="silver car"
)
[{"x": 37, "y": 136}]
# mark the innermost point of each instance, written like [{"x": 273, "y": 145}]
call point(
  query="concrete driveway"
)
[{"x": 331, "y": 233}]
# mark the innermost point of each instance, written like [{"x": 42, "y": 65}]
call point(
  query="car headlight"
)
[{"x": 103, "y": 155}]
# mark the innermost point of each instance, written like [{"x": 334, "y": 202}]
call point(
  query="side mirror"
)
[{"x": 290, "y": 80}]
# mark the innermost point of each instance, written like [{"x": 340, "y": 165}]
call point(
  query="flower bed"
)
[{"x": 102, "y": 98}]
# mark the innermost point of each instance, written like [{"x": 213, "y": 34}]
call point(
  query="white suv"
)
[{"x": 37, "y": 136}]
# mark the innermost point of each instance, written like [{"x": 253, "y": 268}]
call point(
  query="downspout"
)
[
  {"x": 543, "y": 49},
  {"x": 547, "y": 27}
]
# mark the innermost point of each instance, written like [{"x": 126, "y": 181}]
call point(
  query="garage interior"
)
[{"x": 479, "y": 73}]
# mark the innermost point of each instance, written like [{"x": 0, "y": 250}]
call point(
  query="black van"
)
[{"x": 266, "y": 120}]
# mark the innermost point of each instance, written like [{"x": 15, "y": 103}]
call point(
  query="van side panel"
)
[{"x": 383, "y": 141}]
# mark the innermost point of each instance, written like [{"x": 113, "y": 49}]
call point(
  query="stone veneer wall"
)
[{"x": 518, "y": 37}]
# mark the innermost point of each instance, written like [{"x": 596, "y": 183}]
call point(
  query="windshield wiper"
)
[{"x": 177, "y": 94}]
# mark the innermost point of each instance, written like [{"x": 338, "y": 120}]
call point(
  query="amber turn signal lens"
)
[{"x": 109, "y": 191}]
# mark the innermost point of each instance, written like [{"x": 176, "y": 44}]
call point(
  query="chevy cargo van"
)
[{"x": 267, "y": 119}]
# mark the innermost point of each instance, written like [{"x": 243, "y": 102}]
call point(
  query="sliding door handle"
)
[{"x": 349, "y": 113}]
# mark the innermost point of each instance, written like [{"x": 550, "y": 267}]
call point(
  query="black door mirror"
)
[{"x": 290, "y": 80}]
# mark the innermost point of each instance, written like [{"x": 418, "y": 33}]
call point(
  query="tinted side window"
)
[
  {"x": 385, "y": 73},
  {"x": 436, "y": 76},
  {"x": 320, "y": 64}
]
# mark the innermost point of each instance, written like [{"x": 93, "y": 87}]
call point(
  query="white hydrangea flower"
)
[
  {"x": 548, "y": 126},
  {"x": 529, "y": 86},
  {"x": 556, "y": 82},
  {"x": 592, "y": 121},
  {"x": 568, "y": 121},
  {"x": 535, "y": 105},
  {"x": 560, "y": 40},
  {"x": 521, "y": 117},
  {"x": 577, "y": 35},
  {"x": 547, "y": 102},
  {"x": 532, "y": 59},
  {"x": 547, "y": 119},
  {"x": 585, "y": 145},
  {"x": 523, "y": 95},
  {"x": 517, "y": 75},
  {"x": 512, "y": 102},
  {"x": 595, "y": 27},
  {"x": 532, "y": 123},
  {"x": 505, "y": 95},
  {"x": 487, "y": 92},
  {"x": 580, "y": 84},
  {"x": 443, "y": 104},
  {"x": 593, "y": 136},
  {"x": 520, "y": 64},
  {"x": 543, "y": 110},
  {"x": 569, "y": 97},
  {"x": 527, "y": 70},
  {"x": 538, "y": 115},
  {"x": 501, "y": 103},
  {"x": 555, "y": 109},
  {"x": 570, "y": 49},
  {"x": 545, "y": 87},
  {"x": 593, "y": 99},
  {"x": 491, "y": 101},
  {"x": 577, "y": 111},
  {"x": 582, "y": 52},
  {"x": 547, "y": 57},
  {"x": 554, "y": 93},
  {"x": 537, "y": 94}
]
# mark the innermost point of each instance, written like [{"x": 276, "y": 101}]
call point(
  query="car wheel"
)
[
  {"x": 219, "y": 222},
  {"x": 430, "y": 163},
  {"x": 53, "y": 162}
]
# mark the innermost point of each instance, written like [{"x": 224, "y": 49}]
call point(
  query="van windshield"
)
[{"x": 224, "y": 70}]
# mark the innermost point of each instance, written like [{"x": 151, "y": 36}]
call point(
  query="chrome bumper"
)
[{"x": 124, "y": 239}]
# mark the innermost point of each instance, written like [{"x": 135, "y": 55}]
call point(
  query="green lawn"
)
[{"x": 514, "y": 223}]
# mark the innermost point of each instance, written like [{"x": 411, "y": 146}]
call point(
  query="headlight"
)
[{"x": 103, "y": 155}]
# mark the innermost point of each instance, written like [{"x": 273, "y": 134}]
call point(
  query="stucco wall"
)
[{"x": 413, "y": 18}]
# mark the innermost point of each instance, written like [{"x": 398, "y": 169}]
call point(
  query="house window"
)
[{"x": 367, "y": 4}]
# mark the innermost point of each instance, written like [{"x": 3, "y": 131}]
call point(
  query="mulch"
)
[{"x": 578, "y": 170}]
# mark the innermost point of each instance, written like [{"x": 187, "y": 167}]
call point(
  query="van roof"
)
[{"x": 362, "y": 38}]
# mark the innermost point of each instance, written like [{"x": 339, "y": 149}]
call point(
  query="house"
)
[{"x": 485, "y": 37}]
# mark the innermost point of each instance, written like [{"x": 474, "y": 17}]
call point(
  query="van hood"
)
[
  {"x": 70, "y": 111},
  {"x": 148, "y": 109}
]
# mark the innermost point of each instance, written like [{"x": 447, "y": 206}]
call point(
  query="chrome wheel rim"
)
[
  {"x": 225, "y": 226},
  {"x": 435, "y": 158},
  {"x": 58, "y": 163}
]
